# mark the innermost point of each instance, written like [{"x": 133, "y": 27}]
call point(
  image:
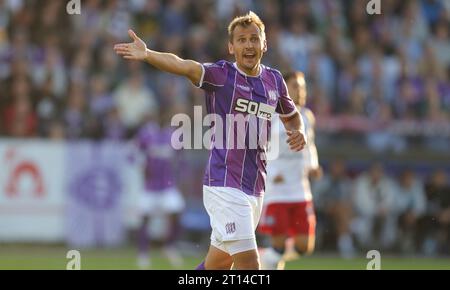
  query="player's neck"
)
[{"x": 255, "y": 72}]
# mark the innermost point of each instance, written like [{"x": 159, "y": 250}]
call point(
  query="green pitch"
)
[{"x": 35, "y": 257}]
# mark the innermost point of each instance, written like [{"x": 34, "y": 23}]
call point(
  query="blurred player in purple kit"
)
[
  {"x": 161, "y": 196},
  {"x": 234, "y": 182}
]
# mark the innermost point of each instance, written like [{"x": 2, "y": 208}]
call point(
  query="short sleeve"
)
[
  {"x": 214, "y": 75},
  {"x": 286, "y": 106}
]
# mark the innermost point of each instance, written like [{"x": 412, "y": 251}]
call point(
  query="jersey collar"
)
[{"x": 243, "y": 73}]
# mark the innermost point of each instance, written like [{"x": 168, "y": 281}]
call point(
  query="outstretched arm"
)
[{"x": 168, "y": 62}]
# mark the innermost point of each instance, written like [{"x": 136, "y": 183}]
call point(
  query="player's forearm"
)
[
  {"x": 173, "y": 64},
  {"x": 293, "y": 123}
]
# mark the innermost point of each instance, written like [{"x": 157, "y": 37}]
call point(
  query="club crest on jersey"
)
[
  {"x": 273, "y": 95},
  {"x": 260, "y": 110},
  {"x": 230, "y": 228}
]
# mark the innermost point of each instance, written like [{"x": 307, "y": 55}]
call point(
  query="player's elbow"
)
[{"x": 193, "y": 71}]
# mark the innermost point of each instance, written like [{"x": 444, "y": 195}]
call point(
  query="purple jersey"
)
[
  {"x": 154, "y": 143},
  {"x": 230, "y": 91}
]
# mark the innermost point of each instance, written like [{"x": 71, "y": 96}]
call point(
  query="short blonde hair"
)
[{"x": 245, "y": 21}]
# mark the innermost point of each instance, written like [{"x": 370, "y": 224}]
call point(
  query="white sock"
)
[{"x": 270, "y": 259}]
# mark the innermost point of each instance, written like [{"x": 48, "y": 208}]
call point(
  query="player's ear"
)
[
  {"x": 230, "y": 48},
  {"x": 265, "y": 46}
]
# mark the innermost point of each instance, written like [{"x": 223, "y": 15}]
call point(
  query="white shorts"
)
[
  {"x": 169, "y": 201},
  {"x": 234, "y": 216}
]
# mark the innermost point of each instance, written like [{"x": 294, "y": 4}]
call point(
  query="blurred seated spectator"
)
[
  {"x": 434, "y": 228},
  {"x": 134, "y": 100},
  {"x": 374, "y": 201},
  {"x": 113, "y": 128},
  {"x": 56, "y": 131},
  {"x": 440, "y": 41},
  {"x": 411, "y": 205},
  {"x": 48, "y": 108},
  {"x": 432, "y": 9},
  {"x": 19, "y": 119},
  {"x": 100, "y": 99},
  {"x": 332, "y": 199},
  {"x": 75, "y": 114}
]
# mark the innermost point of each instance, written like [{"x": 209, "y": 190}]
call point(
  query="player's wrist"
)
[{"x": 147, "y": 55}]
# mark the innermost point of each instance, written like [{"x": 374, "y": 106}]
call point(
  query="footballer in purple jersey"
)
[
  {"x": 235, "y": 178},
  {"x": 230, "y": 91},
  {"x": 161, "y": 196},
  {"x": 154, "y": 144}
]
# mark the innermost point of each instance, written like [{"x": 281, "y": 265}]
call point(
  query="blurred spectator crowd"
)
[
  {"x": 401, "y": 212},
  {"x": 59, "y": 77}
]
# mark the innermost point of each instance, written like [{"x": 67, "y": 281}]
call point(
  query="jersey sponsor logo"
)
[
  {"x": 260, "y": 110},
  {"x": 230, "y": 228}
]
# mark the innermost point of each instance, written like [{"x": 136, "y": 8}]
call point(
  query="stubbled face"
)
[
  {"x": 248, "y": 47},
  {"x": 297, "y": 90}
]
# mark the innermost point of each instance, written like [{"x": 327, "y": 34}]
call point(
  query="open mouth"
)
[{"x": 249, "y": 56}]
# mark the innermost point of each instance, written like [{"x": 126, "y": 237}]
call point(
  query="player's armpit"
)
[{"x": 194, "y": 72}]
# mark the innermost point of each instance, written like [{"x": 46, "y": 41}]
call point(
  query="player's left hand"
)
[
  {"x": 136, "y": 50},
  {"x": 296, "y": 140}
]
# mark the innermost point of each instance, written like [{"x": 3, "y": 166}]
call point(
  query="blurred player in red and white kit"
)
[{"x": 289, "y": 215}]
